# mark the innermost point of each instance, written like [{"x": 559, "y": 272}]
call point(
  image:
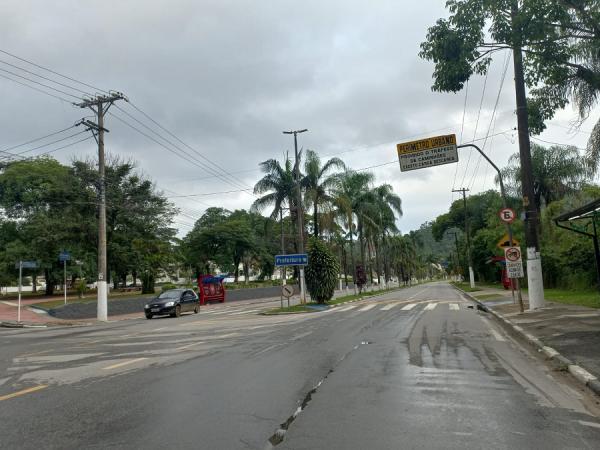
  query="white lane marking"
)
[
  {"x": 497, "y": 335},
  {"x": 454, "y": 307},
  {"x": 301, "y": 335},
  {"x": 430, "y": 306},
  {"x": 124, "y": 363},
  {"x": 158, "y": 329},
  {"x": 409, "y": 307},
  {"x": 245, "y": 312},
  {"x": 348, "y": 308},
  {"x": 189, "y": 345},
  {"x": 414, "y": 295},
  {"x": 390, "y": 306},
  {"x": 368, "y": 307},
  {"x": 264, "y": 350},
  {"x": 589, "y": 424}
]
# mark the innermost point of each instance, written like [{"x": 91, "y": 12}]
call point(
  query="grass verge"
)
[
  {"x": 464, "y": 286},
  {"x": 591, "y": 299},
  {"x": 291, "y": 309}
]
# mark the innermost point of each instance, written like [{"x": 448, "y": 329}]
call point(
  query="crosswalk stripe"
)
[
  {"x": 430, "y": 306},
  {"x": 388, "y": 307},
  {"x": 368, "y": 307},
  {"x": 348, "y": 308},
  {"x": 454, "y": 307},
  {"x": 409, "y": 307},
  {"x": 244, "y": 312}
]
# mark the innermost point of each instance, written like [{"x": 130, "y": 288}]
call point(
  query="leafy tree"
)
[
  {"x": 43, "y": 199},
  {"x": 559, "y": 39},
  {"x": 321, "y": 272}
]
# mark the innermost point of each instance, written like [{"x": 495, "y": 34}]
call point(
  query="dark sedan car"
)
[{"x": 172, "y": 302}]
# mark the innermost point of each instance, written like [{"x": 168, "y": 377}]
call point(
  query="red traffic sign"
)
[
  {"x": 507, "y": 215},
  {"x": 512, "y": 254}
]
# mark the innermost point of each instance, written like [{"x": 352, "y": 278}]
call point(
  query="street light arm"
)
[{"x": 502, "y": 191}]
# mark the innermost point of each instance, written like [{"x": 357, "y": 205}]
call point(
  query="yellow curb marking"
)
[
  {"x": 125, "y": 363},
  {"x": 23, "y": 392}
]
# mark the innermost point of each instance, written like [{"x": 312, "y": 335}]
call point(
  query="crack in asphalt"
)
[{"x": 279, "y": 435}]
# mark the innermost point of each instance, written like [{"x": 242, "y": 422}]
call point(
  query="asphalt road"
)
[
  {"x": 129, "y": 305},
  {"x": 413, "y": 369}
]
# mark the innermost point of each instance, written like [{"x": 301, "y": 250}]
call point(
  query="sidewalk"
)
[{"x": 567, "y": 334}]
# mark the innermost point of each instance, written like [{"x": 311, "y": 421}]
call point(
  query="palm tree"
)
[
  {"x": 379, "y": 217},
  {"x": 348, "y": 195},
  {"x": 557, "y": 171},
  {"x": 317, "y": 182},
  {"x": 278, "y": 186}
]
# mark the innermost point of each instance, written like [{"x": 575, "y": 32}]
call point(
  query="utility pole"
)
[
  {"x": 470, "y": 263},
  {"x": 100, "y": 105},
  {"x": 299, "y": 211},
  {"x": 534, "y": 263}
]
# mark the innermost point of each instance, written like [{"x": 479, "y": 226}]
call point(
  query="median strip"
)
[
  {"x": 23, "y": 392},
  {"x": 124, "y": 363}
]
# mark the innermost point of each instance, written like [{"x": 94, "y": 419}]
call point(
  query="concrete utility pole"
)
[
  {"x": 97, "y": 105},
  {"x": 535, "y": 280},
  {"x": 299, "y": 211},
  {"x": 471, "y": 273}
]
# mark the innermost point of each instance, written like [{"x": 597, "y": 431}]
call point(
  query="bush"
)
[
  {"x": 321, "y": 271},
  {"x": 168, "y": 286}
]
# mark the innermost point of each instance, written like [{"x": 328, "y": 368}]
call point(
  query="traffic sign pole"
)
[
  {"x": 20, "y": 284},
  {"x": 65, "y": 271}
]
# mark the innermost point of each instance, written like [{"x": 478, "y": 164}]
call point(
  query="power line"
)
[
  {"x": 44, "y": 78},
  {"x": 215, "y": 166},
  {"x": 51, "y": 71},
  {"x": 188, "y": 157},
  {"x": 38, "y": 139},
  {"x": 506, "y": 61},
  {"x": 48, "y": 144},
  {"x": 476, "y": 126},
  {"x": 41, "y": 84},
  {"x": 462, "y": 128},
  {"x": 36, "y": 89}
]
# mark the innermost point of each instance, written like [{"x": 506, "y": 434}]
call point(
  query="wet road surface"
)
[{"x": 416, "y": 368}]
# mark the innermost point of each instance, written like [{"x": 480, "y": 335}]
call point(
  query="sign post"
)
[
  {"x": 297, "y": 259},
  {"x": 64, "y": 256}
]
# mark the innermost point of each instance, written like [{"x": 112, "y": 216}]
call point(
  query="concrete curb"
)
[{"x": 578, "y": 372}]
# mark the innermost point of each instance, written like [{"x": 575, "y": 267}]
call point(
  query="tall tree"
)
[
  {"x": 557, "y": 171},
  {"x": 318, "y": 181}
]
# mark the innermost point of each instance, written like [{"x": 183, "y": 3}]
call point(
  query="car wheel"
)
[
  {"x": 196, "y": 309},
  {"x": 178, "y": 311},
  {"x": 148, "y": 316}
]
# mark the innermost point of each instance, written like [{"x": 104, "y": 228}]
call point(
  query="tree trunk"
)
[
  {"x": 49, "y": 282},
  {"x": 34, "y": 283},
  {"x": 377, "y": 261},
  {"x": 148, "y": 283},
  {"x": 236, "y": 271},
  {"x": 246, "y": 272},
  {"x": 316, "y": 218},
  {"x": 352, "y": 252},
  {"x": 370, "y": 262},
  {"x": 134, "y": 276}
]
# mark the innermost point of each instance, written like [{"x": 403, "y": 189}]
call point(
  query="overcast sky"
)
[{"x": 227, "y": 77}]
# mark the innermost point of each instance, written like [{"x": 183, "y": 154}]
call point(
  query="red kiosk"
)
[{"x": 210, "y": 288}]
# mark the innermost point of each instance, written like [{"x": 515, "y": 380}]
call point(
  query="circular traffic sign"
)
[
  {"x": 513, "y": 254},
  {"x": 507, "y": 215},
  {"x": 287, "y": 290}
]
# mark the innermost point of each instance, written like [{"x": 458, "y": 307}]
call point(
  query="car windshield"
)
[{"x": 169, "y": 294}]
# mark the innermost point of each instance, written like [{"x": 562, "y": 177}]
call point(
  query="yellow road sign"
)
[
  {"x": 505, "y": 242},
  {"x": 428, "y": 152}
]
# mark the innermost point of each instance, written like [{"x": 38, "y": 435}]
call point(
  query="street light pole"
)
[{"x": 299, "y": 210}]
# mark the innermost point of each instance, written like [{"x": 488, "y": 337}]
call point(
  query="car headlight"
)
[
  {"x": 169, "y": 303},
  {"x": 146, "y": 306}
]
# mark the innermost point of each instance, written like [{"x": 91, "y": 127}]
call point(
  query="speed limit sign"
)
[{"x": 507, "y": 215}]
